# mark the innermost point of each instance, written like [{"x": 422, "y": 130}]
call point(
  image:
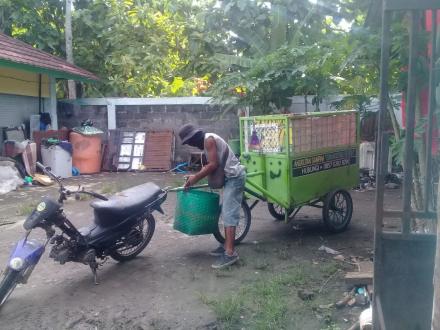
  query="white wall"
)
[{"x": 15, "y": 109}]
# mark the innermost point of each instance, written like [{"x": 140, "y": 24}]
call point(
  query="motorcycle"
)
[{"x": 123, "y": 226}]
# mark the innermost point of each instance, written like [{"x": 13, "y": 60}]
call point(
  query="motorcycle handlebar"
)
[
  {"x": 41, "y": 166},
  {"x": 67, "y": 192},
  {"x": 96, "y": 195},
  {"x": 46, "y": 170},
  {"x": 93, "y": 194}
]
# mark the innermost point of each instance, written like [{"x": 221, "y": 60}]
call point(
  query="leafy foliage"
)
[
  {"x": 37, "y": 22},
  {"x": 254, "y": 53},
  {"x": 137, "y": 48},
  {"x": 274, "y": 50},
  {"x": 141, "y": 48}
]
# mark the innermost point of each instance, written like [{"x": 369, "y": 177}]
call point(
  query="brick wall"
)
[
  {"x": 211, "y": 118},
  {"x": 73, "y": 115}
]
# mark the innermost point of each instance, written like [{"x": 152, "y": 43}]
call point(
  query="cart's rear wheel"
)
[
  {"x": 278, "y": 212},
  {"x": 337, "y": 211},
  {"x": 241, "y": 230}
]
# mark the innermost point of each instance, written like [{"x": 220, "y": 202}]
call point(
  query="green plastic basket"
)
[{"x": 197, "y": 212}]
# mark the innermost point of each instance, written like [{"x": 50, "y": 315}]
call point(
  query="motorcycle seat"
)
[{"x": 124, "y": 204}]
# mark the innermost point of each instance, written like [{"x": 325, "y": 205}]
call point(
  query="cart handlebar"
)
[{"x": 189, "y": 188}]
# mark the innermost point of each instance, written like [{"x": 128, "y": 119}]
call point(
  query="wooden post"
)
[
  {"x": 436, "y": 299},
  {"x": 53, "y": 102}
]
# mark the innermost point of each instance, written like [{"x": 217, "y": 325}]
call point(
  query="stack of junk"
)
[
  {"x": 18, "y": 160},
  {"x": 81, "y": 150}
]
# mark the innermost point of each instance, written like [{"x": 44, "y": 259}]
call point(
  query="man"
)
[{"x": 221, "y": 162}]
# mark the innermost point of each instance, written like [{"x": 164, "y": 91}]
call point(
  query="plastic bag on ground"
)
[
  {"x": 366, "y": 319},
  {"x": 9, "y": 177}
]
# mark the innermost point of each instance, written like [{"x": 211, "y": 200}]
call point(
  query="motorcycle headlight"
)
[{"x": 16, "y": 263}]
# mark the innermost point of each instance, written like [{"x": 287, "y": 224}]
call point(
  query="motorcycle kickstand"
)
[{"x": 94, "y": 268}]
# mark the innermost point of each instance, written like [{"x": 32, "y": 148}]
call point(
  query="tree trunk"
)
[
  {"x": 436, "y": 301},
  {"x": 71, "y": 87}
]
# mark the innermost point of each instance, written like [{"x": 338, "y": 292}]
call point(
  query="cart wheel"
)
[
  {"x": 242, "y": 229},
  {"x": 278, "y": 212},
  {"x": 337, "y": 211}
]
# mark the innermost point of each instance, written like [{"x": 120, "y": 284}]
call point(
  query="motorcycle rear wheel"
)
[
  {"x": 126, "y": 253},
  {"x": 8, "y": 284}
]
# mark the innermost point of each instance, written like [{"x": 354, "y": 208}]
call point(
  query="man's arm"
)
[{"x": 213, "y": 163}]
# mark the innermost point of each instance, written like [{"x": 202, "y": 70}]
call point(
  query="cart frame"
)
[{"x": 300, "y": 165}]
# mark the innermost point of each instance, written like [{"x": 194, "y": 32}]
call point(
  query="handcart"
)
[
  {"x": 291, "y": 161},
  {"x": 297, "y": 160}
]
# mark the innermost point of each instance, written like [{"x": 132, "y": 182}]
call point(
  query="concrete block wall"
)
[
  {"x": 73, "y": 115},
  {"x": 211, "y": 118}
]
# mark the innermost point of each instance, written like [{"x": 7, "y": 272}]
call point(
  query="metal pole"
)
[
  {"x": 53, "y": 102},
  {"x": 380, "y": 177},
  {"x": 408, "y": 162},
  {"x": 432, "y": 106}
]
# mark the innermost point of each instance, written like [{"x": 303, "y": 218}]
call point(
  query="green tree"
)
[
  {"x": 37, "y": 22},
  {"x": 137, "y": 48},
  {"x": 266, "y": 52}
]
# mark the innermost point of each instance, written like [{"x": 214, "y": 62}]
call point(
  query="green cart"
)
[{"x": 298, "y": 160}]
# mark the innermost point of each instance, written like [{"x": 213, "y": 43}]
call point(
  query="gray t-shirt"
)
[{"x": 233, "y": 168}]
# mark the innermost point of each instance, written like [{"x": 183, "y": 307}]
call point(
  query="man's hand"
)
[{"x": 191, "y": 181}]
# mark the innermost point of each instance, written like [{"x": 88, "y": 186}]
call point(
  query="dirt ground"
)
[{"x": 171, "y": 284}]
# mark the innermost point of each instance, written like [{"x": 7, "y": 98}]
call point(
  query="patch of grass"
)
[
  {"x": 26, "y": 209},
  {"x": 110, "y": 188},
  {"x": 261, "y": 248},
  {"x": 295, "y": 277},
  {"x": 222, "y": 273},
  {"x": 283, "y": 253},
  {"x": 262, "y": 304},
  {"x": 330, "y": 268},
  {"x": 262, "y": 264},
  {"x": 331, "y": 326},
  {"x": 227, "y": 310},
  {"x": 270, "y": 306},
  {"x": 85, "y": 197}
]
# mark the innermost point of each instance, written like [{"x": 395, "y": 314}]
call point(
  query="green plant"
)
[
  {"x": 227, "y": 310},
  {"x": 26, "y": 209},
  {"x": 110, "y": 188},
  {"x": 331, "y": 326},
  {"x": 262, "y": 304},
  {"x": 262, "y": 264},
  {"x": 330, "y": 268}
]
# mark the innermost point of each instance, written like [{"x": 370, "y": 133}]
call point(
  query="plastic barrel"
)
[
  {"x": 86, "y": 152},
  {"x": 197, "y": 212}
]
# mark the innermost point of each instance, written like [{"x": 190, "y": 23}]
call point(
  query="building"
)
[{"x": 28, "y": 81}]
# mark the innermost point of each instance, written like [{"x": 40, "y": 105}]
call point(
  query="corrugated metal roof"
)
[{"x": 18, "y": 54}]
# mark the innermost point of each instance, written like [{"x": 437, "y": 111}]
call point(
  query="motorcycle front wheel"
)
[
  {"x": 8, "y": 284},
  {"x": 136, "y": 241}
]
